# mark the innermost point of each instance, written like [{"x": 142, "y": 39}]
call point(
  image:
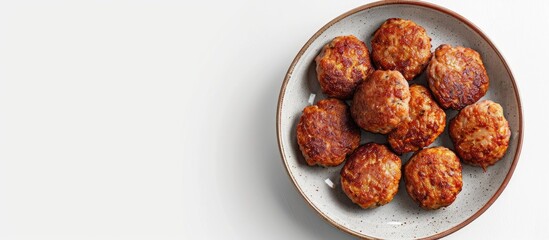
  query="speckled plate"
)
[{"x": 402, "y": 218}]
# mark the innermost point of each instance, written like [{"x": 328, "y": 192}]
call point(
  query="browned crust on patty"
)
[
  {"x": 480, "y": 133},
  {"x": 381, "y": 102},
  {"x": 433, "y": 177},
  {"x": 424, "y": 124},
  {"x": 401, "y": 45},
  {"x": 326, "y": 134},
  {"x": 371, "y": 175},
  {"x": 342, "y": 65},
  {"x": 457, "y": 76}
]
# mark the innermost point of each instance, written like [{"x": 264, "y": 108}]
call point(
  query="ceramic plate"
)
[{"x": 401, "y": 218}]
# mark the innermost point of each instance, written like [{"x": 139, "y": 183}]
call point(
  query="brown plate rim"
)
[{"x": 436, "y": 8}]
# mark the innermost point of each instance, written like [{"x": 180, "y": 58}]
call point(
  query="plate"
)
[{"x": 401, "y": 218}]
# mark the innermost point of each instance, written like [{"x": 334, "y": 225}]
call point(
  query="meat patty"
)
[
  {"x": 342, "y": 65},
  {"x": 381, "y": 102},
  {"x": 370, "y": 176},
  {"x": 433, "y": 177},
  {"x": 326, "y": 134},
  {"x": 424, "y": 124},
  {"x": 480, "y": 133},
  {"x": 457, "y": 76},
  {"x": 401, "y": 45}
]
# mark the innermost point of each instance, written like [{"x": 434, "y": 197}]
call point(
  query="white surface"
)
[{"x": 156, "y": 119}]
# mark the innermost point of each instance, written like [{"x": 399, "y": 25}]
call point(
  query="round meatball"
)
[
  {"x": 424, "y": 124},
  {"x": 457, "y": 76},
  {"x": 381, "y": 102},
  {"x": 480, "y": 133},
  {"x": 370, "y": 176},
  {"x": 433, "y": 177},
  {"x": 401, "y": 45},
  {"x": 326, "y": 134},
  {"x": 342, "y": 65}
]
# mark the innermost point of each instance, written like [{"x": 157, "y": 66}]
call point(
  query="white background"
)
[{"x": 156, "y": 119}]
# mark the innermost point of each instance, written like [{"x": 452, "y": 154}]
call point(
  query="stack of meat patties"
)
[{"x": 376, "y": 84}]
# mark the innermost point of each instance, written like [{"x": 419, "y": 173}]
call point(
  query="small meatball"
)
[
  {"x": 457, "y": 76},
  {"x": 370, "y": 176},
  {"x": 480, "y": 133},
  {"x": 342, "y": 65},
  {"x": 326, "y": 134},
  {"x": 433, "y": 177},
  {"x": 424, "y": 124},
  {"x": 381, "y": 102},
  {"x": 401, "y": 45}
]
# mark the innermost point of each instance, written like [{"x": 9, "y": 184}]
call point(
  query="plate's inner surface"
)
[{"x": 401, "y": 218}]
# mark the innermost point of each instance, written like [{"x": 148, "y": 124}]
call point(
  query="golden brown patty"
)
[
  {"x": 480, "y": 133},
  {"x": 424, "y": 124},
  {"x": 401, "y": 45},
  {"x": 370, "y": 176},
  {"x": 326, "y": 134},
  {"x": 342, "y": 65},
  {"x": 433, "y": 177},
  {"x": 457, "y": 76},
  {"x": 381, "y": 102}
]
